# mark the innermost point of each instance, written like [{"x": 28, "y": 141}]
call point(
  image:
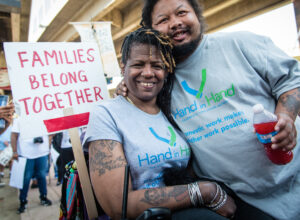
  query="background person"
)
[
  {"x": 219, "y": 77},
  {"x": 6, "y": 113},
  {"x": 136, "y": 131},
  {"x": 36, "y": 151},
  {"x": 4, "y": 143}
]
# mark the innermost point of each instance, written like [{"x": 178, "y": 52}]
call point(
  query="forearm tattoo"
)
[
  {"x": 158, "y": 196},
  {"x": 101, "y": 157},
  {"x": 291, "y": 102}
]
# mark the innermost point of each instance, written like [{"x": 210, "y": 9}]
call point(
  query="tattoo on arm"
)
[
  {"x": 291, "y": 102},
  {"x": 101, "y": 156},
  {"x": 158, "y": 196}
]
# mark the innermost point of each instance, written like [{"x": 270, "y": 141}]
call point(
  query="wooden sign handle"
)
[{"x": 82, "y": 169}]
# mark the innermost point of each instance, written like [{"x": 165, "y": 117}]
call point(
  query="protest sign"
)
[
  {"x": 100, "y": 32},
  {"x": 48, "y": 77}
]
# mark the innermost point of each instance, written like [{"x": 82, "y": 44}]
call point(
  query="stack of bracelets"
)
[{"x": 197, "y": 200}]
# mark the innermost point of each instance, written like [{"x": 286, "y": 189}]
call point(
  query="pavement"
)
[{"x": 9, "y": 202}]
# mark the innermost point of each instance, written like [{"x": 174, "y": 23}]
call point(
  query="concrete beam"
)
[
  {"x": 131, "y": 20},
  {"x": 10, "y": 6},
  {"x": 78, "y": 11},
  {"x": 25, "y": 17},
  {"x": 15, "y": 26},
  {"x": 218, "y": 7},
  {"x": 297, "y": 13},
  {"x": 115, "y": 16},
  {"x": 60, "y": 22},
  {"x": 241, "y": 11},
  {"x": 9, "y": 9}
]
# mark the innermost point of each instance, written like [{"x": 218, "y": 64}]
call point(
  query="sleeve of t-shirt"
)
[
  {"x": 101, "y": 126},
  {"x": 15, "y": 126},
  {"x": 279, "y": 70}
]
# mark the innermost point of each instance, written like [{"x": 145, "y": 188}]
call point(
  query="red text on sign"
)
[{"x": 50, "y": 102}]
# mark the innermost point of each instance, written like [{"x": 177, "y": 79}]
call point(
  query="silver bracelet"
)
[
  {"x": 211, "y": 206},
  {"x": 222, "y": 203},
  {"x": 216, "y": 195},
  {"x": 198, "y": 193},
  {"x": 192, "y": 194},
  {"x": 195, "y": 194}
]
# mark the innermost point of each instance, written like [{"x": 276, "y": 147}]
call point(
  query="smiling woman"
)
[
  {"x": 136, "y": 131},
  {"x": 144, "y": 75}
]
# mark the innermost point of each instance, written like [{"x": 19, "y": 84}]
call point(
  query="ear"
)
[{"x": 122, "y": 65}]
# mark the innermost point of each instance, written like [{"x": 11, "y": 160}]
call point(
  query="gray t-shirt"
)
[
  {"x": 212, "y": 101},
  {"x": 149, "y": 141}
]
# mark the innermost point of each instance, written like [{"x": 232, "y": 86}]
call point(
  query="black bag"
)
[{"x": 56, "y": 141}]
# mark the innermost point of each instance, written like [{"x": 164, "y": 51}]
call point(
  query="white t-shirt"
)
[{"x": 26, "y": 147}]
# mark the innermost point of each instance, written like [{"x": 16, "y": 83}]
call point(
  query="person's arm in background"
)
[
  {"x": 13, "y": 141},
  {"x": 121, "y": 89},
  {"x": 50, "y": 137},
  {"x": 6, "y": 112},
  {"x": 287, "y": 109}
]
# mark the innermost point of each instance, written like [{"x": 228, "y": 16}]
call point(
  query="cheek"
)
[
  {"x": 163, "y": 28},
  {"x": 161, "y": 78}
]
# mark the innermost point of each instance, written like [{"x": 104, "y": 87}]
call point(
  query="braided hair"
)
[{"x": 164, "y": 46}]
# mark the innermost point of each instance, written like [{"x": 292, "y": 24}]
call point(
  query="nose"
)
[
  {"x": 147, "y": 71},
  {"x": 175, "y": 22}
]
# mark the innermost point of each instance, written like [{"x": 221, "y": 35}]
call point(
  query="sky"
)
[{"x": 279, "y": 25}]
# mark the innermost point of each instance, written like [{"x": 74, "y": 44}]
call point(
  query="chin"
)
[{"x": 147, "y": 98}]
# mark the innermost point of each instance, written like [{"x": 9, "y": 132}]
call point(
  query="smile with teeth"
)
[
  {"x": 147, "y": 84},
  {"x": 179, "y": 34}
]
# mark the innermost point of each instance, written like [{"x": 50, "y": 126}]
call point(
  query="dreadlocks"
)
[{"x": 163, "y": 44}]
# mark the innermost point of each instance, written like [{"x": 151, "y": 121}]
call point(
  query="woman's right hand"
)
[{"x": 121, "y": 89}]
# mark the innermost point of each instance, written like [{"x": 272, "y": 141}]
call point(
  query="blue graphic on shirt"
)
[
  {"x": 210, "y": 101},
  {"x": 171, "y": 142},
  {"x": 197, "y": 93}
]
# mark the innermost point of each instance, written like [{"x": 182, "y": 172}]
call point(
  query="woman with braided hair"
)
[{"x": 139, "y": 131}]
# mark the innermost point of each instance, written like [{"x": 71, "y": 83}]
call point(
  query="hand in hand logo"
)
[
  {"x": 171, "y": 142},
  {"x": 194, "y": 92}
]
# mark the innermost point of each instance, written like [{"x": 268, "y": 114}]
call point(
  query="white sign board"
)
[
  {"x": 17, "y": 173},
  {"x": 48, "y": 77},
  {"x": 100, "y": 32}
]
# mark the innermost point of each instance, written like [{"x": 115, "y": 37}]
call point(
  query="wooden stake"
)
[{"x": 82, "y": 169}]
